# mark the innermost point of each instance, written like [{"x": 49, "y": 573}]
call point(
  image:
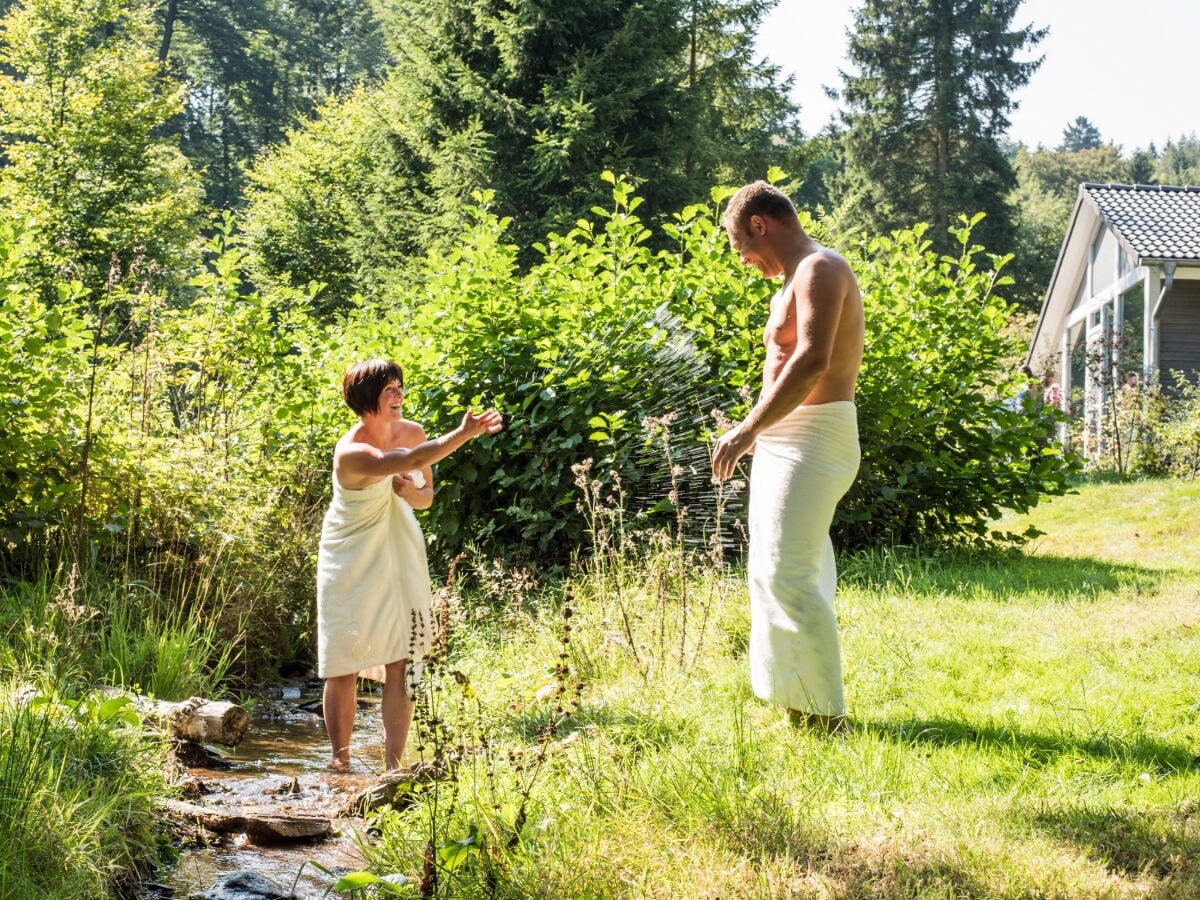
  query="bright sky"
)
[{"x": 1130, "y": 68}]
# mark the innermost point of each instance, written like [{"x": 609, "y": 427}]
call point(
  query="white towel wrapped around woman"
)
[
  {"x": 373, "y": 594},
  {"x": 802, "y": 467}
]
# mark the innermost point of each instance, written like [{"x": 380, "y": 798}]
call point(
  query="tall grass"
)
[
  {"x": 1025, "y": 724},
  {"x": 78, "y": 776},
  {"x": 122, "y": 634},
  {"x": 77, "y": 784}
]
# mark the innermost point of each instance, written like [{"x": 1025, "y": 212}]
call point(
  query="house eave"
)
[{"x": 1163, "y": 260}]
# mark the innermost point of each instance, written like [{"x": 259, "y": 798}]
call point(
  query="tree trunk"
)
[{"x": 169, "y": 16}]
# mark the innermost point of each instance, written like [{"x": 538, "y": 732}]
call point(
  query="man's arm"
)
[{"x": 818, "y": 296}]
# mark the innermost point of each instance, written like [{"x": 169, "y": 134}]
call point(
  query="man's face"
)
[{"x": 749, "y": 245}]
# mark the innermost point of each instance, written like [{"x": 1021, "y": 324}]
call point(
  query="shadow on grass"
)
[
  {"x": 1162, "y": 843},
  {"x": 1001, "y": 575},
  {"x": 1150, "y": 754}
]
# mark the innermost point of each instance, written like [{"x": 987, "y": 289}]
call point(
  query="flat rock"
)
[{"x": 391, "y": 789}]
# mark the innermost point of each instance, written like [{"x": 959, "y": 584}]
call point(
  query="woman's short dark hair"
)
[{"x": 365, "y": 381}]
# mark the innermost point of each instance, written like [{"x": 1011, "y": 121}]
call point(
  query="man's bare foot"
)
[
  {"x": 823, "y": 724},
  {"x": 338, "y": 765}
]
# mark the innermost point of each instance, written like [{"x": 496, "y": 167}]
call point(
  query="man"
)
[{"x": 803, "y": 433}]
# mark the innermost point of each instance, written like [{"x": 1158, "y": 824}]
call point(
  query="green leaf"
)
[{"x": 453, "y": 855}]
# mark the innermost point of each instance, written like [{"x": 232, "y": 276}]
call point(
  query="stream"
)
[{"x": 282, "y": 760}]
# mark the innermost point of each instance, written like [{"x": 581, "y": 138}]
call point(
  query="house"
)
[{"x": 1125, "y": 295}]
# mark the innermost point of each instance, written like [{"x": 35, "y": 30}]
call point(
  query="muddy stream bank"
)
[{"x": 281, "y": 762}]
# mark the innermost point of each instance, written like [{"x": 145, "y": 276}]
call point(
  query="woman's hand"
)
[
  {"x": 473, "y": 425},
  {"x": 406, "y": 488}
]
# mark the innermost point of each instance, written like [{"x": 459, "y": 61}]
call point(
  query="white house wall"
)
[{"x": 1104, "y": 265}]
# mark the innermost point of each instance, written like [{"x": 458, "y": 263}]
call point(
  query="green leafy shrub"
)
[
  {"x": 603, "y": 338},
  {"x": 1168, "y": 432},
  {"x": 587, "y": 360},
  {"x": 942, "y": 453},
  {"x": 41, "y": 368}
]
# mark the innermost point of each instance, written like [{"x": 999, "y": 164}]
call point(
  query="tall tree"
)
[
  {"x": 531, "y": 101},
  {"x": 1141, "y": 165},
  {"x": 742, "y": 120},
  {"x": 255, "y": 68},
  {"x": 81, "y": 119},
  {"x": 925, "y": 112},
  {"x": 1080, "y": 135}
]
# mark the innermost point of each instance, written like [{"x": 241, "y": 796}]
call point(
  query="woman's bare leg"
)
[
  {"x": 338, "y": 704},
  {"x": 397, "y": 714}
]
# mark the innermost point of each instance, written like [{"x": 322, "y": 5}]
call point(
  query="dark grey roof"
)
[{"x": 1157, "y": 222}]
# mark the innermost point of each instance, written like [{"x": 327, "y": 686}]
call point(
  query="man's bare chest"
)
[{"x": 780, "y": 331}]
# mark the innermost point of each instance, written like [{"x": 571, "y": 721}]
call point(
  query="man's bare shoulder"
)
[
  {"x": 824, "y": 262},
  {"x": 824, "y": 271}
]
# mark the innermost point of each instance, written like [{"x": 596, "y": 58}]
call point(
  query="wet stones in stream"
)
[
  {"x": 274, "y": 789},
  {"x": 260, "y": 824},
  {"x": 244, "y": 886},
  {"x": 391, "y": 789}
]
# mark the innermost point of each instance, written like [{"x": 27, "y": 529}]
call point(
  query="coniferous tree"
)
[
  {"x": 1080, "y": 135},
  {"x": 925, "y": 113},
  {"x": 255, "y": 68},
  {"x": 742, "y": 119},
  {"x": 1179, "y": 163},
  {"x": 1141, "y": 165}
]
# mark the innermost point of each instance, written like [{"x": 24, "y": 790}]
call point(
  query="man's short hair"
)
[
  {"x": 760, "y": 198},
  {"x": 365, "y": 381}
]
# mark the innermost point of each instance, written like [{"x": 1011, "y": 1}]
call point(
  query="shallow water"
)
[{"x": 282, "y": 761}]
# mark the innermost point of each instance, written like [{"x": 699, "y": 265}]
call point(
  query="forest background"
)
[{"x": 212, "y": 208}]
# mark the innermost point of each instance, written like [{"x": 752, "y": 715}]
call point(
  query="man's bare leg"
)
[
  {"x": 824, "y": 724},
  {"x": 338, "y": 705},
  {"x": 397, "y": 714}
]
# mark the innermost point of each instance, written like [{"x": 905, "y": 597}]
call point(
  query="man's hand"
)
[
  {"x": 731, "y": 446},
  {"x": 473, "y": 425}
]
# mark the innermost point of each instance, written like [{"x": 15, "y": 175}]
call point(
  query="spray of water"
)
[{"x": 678, "y": 411}]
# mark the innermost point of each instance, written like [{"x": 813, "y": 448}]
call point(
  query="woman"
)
[{"x": 373, "y": 596}]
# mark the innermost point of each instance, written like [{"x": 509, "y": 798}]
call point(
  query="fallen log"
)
[
  {"x": 207, "y": 721},
  {"x": 262, "y": 825},
  {"x": 197, "y": 720}
]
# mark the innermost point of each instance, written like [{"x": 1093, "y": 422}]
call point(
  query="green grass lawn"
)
[{"x": 1026, "y": 725}]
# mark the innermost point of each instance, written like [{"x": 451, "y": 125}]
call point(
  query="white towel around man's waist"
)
[
  {"x": 373, "y": 594},
  {"x": 802, "y": 467}
]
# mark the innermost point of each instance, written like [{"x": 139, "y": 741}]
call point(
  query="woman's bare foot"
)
[{"x": 339, "y": 765}]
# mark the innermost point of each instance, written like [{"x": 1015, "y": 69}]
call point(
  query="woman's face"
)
[{"x": 391, "y": 400}]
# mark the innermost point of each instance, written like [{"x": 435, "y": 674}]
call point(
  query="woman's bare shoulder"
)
[{"x": 408, "y": 433}]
